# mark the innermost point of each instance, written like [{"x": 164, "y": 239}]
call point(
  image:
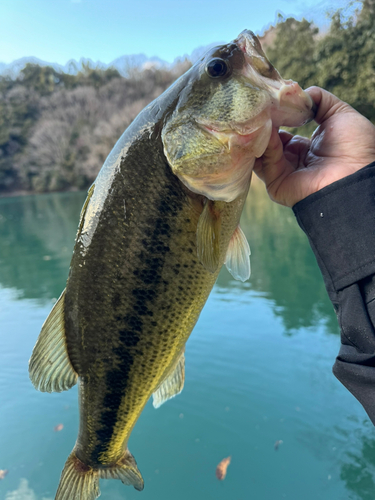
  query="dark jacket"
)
[{"x": 339, "y": 221}]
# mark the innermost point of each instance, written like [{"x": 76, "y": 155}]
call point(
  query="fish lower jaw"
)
[
  {"x": 224, "y": 187},
  {"x": 231, "y": 178}
]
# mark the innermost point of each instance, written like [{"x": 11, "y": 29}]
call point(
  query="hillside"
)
[{"x": 57, "y": 127}]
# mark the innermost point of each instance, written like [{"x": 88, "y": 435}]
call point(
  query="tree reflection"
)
[
  {"x": 36, "y": 242},
  {"x": 283, "y": 265},
  {"x": 37, "y": 235},
  {"x": 359, "y": 472}
]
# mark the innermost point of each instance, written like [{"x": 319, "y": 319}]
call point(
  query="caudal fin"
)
[
  {"x": 81, "y": 482},
  {"x": 126, "y": 470},
  {"x": 78, "y": 481}
]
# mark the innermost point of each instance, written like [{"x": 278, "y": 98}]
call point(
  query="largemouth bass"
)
[{"x": 158, "y": 223}]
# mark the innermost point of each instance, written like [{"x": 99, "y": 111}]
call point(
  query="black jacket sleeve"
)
[{"x": 339, "y": 221}]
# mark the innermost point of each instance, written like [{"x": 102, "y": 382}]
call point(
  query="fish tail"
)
[
  {"x": 78, "y": 481},
  {"x": 126, "y": 470}
]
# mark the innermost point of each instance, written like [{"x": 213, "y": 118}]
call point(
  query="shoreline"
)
[{"x": 23, "y": 192}]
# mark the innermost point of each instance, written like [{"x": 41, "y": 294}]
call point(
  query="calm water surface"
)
[{"x": 258, "y": 370}]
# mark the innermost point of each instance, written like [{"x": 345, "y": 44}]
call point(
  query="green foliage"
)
[
  {"x": 346, "y": 59},
  {"x": 342, "y": 60},
  {"x": 292, "y": 52}
]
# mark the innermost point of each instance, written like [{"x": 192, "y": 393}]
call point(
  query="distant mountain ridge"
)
[{"x": 124, "y": 64}]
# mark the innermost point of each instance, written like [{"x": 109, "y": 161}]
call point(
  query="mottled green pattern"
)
[{"x": 133, "y": 298}]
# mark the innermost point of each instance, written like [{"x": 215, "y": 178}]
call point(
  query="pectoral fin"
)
[
  {"x": 172, "y": 385},
  {"x": 237, "y": 259},
  {"x": 50, "y": 368},
  {"x": 208, "y": 236}
]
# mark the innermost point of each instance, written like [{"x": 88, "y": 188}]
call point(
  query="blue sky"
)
[{"x": 59, "y": 30}]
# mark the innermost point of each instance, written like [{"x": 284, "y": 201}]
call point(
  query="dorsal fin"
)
[
  {"x": 237, "y": 259},
  {"x": 172, "y": 385},
  {"x": 50, "y": 368},
  {"x": 208, "y": 236},
  {"x": 84, "y": 207}
]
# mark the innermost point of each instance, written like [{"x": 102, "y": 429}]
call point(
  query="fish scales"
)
[
  {"x": 149, "y": 290},
  {"x": 159, "y": 222}
]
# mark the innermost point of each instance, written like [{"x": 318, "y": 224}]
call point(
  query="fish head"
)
[{"x": 223, "y": 116}]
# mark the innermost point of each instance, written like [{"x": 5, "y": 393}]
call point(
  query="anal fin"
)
[
  {"x": 172, "y": 384},
  {"x": 50, "y": 368},
  {"x": 237, "y": 259}
]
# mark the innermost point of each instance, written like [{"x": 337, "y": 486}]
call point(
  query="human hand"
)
[{"x": 293, "y": 167}]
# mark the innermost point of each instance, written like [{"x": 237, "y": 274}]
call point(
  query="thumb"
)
[{"x": 327, "y": 104}]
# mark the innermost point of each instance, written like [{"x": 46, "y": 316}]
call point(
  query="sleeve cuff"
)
[{"x": 339, "y": 221}]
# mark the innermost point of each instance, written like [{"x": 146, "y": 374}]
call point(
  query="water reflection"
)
[
  {"x": 358, "y": 469},
  {"x": 283, "y": 265},
  {"x": 36, "y": 241},
  {"x": 37, "y": 235}
]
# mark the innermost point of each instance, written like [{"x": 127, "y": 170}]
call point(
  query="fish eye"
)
[{"x": 217, "y": 67}]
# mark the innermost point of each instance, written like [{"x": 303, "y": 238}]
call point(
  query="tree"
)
[
  {"x": 293, "y": 50},
  {"x": 346, "y": 58}
]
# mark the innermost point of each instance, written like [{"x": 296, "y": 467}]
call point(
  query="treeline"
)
[{"x": 57, "y": 129}]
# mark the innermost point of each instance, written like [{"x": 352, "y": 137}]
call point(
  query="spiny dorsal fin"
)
[
  {"x": 172, "y": 385},
  {"x": 50, "y": 368},
  {"x": 237, "y": 258},
  {"x": 208, "y": 236}
]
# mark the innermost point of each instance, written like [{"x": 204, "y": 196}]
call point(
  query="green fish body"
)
[{"x": 159, "y": 222}]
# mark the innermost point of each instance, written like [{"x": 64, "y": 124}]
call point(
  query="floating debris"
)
[
  {"x": 58, "y": 428},
  {"x": 221, "y": 469},
  {"x": 277, "y": 444},
  {"x": 3, "y": 473}
]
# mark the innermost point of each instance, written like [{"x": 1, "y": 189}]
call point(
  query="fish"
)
[
  {"x": 159, "y": 222},
  {"x": 221, "y": 469},
  {"x": 58, "y": 427}
]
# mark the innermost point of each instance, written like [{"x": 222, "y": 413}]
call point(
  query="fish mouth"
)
[
  {"x": 242, "y": 128},
  {"x": 291, "y": 106}
]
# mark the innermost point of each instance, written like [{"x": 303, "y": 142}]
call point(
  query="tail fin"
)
[
  {"x": 78, "y": 481},
  {"x": 126, "y": 470},
  {"x": 81, "y": 482}
]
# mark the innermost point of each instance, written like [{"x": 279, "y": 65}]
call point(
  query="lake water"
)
[{"x": 258, "y": 370}]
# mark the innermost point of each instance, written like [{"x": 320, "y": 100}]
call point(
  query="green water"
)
[{"x": 258, "y": 370}]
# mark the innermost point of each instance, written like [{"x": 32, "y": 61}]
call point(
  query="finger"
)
[
  {"x": 272, "y": 164},
  {"x": 297, "y": 146},
  {"x": 285, "y": 136},
  {"x": 327, "y": 103}
]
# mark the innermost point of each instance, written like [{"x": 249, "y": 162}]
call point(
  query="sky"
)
[{"x": 102, "y": 30}]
